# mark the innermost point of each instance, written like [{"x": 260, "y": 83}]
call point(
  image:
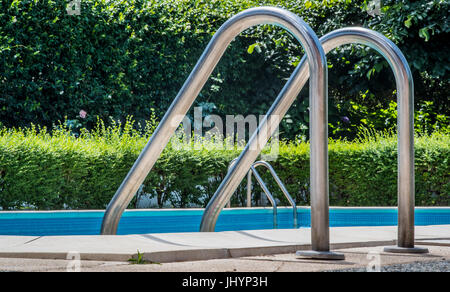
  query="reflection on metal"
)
[
  {"x": 266, "y": 190},
  {"x": 318, "y": 116}
]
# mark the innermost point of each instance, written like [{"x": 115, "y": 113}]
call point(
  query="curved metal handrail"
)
[
  {"x": 198, "y": 77},
  {"x": 268, "y": 194},
  {"x": 405, "y": 128},
  {"x": 265, "y": 190},
  {"x": 405, "y": 121},
  {"x": 281, "y": 186},
  {"x": 319, "y": 138}
]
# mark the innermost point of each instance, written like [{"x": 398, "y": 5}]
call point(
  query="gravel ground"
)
[
  {"x": 357, "y": 259},
  {"x": 428, "y": 266}
]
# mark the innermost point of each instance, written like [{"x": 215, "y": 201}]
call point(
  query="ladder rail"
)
[
  {"x": 264, "y": 188},
  {"x": 190, "y": 90},
  {"x": 281, "y": 186},
  {"x": 405, "y": 127},
  {"x": 319, "y": 134},
  {"x": 268, "y": 194},
  {"x": 405, "y": 121}
]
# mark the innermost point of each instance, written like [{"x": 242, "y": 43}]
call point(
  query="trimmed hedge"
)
[{"x": 57, "y": 170}]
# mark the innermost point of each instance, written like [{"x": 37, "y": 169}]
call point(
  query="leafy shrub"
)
[
  {"x": 43, "y": 169},
  {"x": 124, "y": 57}
]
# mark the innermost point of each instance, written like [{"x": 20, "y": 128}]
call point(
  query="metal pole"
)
[
  {"x": 198, "y": 77},
  {"x": 249, "y": 189},
  {"x": 229, "y": 166}
]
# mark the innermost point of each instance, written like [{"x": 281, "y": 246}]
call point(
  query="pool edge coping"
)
[{"x": 367, "y": 237}]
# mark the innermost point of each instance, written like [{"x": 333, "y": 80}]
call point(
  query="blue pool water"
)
[{"x": 164, "y": 221}]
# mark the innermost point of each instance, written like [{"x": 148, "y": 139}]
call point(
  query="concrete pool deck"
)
[{"x": 198, "y": 246}]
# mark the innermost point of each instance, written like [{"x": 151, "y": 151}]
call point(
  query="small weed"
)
[{"x": 139, "y": 260}]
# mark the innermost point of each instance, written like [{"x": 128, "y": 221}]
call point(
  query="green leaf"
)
[
  {"x": 408, "y": 22},
  {"x": 423, "y": 33},
  {"x": 252, "y": 47}
]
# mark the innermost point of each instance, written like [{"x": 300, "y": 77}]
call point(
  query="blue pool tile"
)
[{"x": 157, "y": 221}]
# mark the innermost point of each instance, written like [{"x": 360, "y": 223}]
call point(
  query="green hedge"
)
[
  {"x": 57, "y": 170},
  {"x": 124, "y": 57}
]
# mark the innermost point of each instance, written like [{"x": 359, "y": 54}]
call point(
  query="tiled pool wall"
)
[{"x": 39, "y": 223}]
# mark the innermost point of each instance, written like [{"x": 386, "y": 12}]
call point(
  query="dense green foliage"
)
[
  {"x": 421, "y": 29},
  {"x": 130, "y": 57},
  {"x": 56, "y": 170},
  {"x": 124, "y": 57}
]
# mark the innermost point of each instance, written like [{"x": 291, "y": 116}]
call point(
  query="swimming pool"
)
[{"x": 188, "y": 220}]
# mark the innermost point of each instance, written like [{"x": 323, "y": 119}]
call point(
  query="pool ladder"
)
[
  {"x": 266, "y": 190},
  {"x": 313, "y": 66}
]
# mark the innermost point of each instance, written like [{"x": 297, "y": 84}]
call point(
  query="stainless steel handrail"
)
[
  {"x": 318, "y": 142},
  {"x": 318, "y": 131},
  {"x": 265, "y": 190},
  {"x": 198, "y": 77},
  {"x": 405, "y": 128},
  {"x": 281, "y": 186},
  {"x": 405, "y": 122},
  {"x": 268, "y": 194}
]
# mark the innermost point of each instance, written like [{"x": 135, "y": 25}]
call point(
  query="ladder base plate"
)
[
  {"x": 320, "y": 255},
  {"x": 398, "y": 249}
]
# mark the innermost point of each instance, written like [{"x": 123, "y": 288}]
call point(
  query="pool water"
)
[{"x": 165, "y": 221}]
